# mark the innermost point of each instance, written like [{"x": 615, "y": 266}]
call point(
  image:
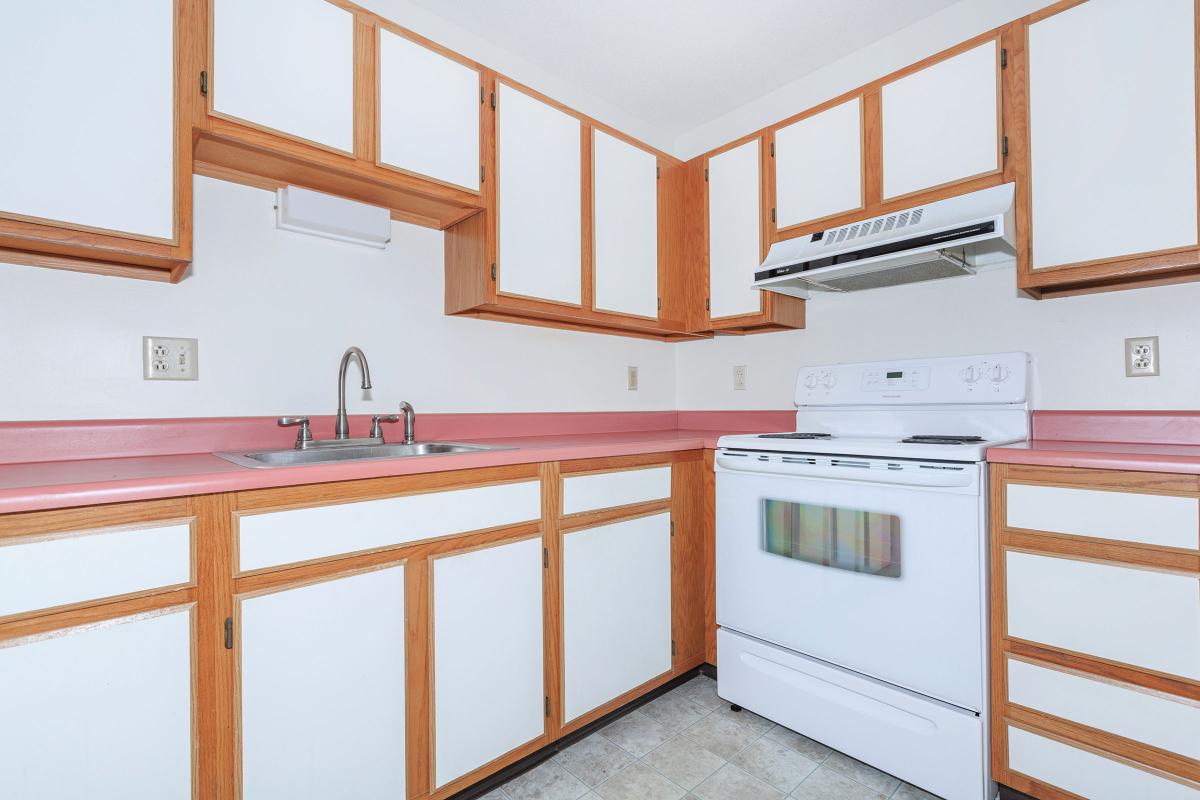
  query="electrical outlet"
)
[
  {"x": 165, "y": 359},
  {"x": 739, "y": 378},
  {"x": 631, "y": 378},
  {"x": 1141, "y": 357}
]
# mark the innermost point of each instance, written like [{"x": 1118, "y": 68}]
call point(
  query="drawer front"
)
[
  {"x": 1121, "y": 516},
  {"x": 1142, "y": 617},
  {"x": 1086, "y": 773},
  {"x": 610, "y": 489},
  {"x": 92, "y": 565},
  {"x": 303, "y": 534},
  {"x": 1143, "y": 715}
]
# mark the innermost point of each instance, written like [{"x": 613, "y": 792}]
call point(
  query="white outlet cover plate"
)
[
  {"x": 739, "y": 378},
  {"x": 1138, "y": 351},
  {"x": 169, "y": 359}
]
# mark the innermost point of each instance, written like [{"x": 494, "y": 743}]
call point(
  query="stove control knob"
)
[
  {"x": 810, "y": 381},
  {"x": 999, "y": 373},
  {"x": 971, "y": 375},
  {"x": 829, "y": 380}
]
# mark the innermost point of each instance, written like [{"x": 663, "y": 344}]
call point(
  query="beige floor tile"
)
[
  {"x": 721, "y": 735},
  {"x": 546, "y": 781},
  {"x": 776, "y": 763},
  {"x": 639, "y": 781},
  {"x": 731, "y": 783},
  {"x": 809, "y": 748},
  {"x": 701, "y": 690},
  {"x": 909, "y": 792},
  {"x": 674, "y": 712},
  {"x": 684, "y": 761},
  {"x": 865, "y": 774},
  {"x": 825, "y": 784},
  {"x": 636, "y": 734},
  {"x": 593, "y": 760},
  {"x": 495, "y": 794},
  {"x": 747, "y": 719}
]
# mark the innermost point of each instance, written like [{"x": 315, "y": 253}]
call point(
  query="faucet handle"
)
[
  {"x": 376, "y": 428},
  {"x": 304, "y": 435}
]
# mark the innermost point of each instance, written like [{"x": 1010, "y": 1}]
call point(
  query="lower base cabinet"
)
[
  {"x": 323, "y": 689},
  {"x": 102, "y": 711},
  {"x": 488, "y": 650},
  {"x": 616, "y": 610}
]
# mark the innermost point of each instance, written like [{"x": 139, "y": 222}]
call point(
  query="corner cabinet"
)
[
  {"x": 95, "y": 172},
  {"x": 1106, "y": 133},
  {"x": 575, "y": 233}
]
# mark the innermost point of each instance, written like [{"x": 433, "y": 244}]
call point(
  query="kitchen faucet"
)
[{"x": 341, "y": 425}]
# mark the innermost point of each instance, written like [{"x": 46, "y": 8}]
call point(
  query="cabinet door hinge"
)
[
  {"x": 480, "y": 95},
  {"x": 545, "y": 562},
  {"x": 493, "y": 272},
  {"x": 1004, "y": 147},
  {"x": 672, "y": 527},
  {"x": 229, "y": 633},
  {"x": 772, "y": 215},
  {"x": 658, "y": 173},
  {"x": 547, "y": 706},
  {"x": 772, "y": 149},
  {"x": 672, "y": 648},
  {"x": 493, "y": 100},
  {"x": 204, "y": 82},
  {"x": 707, "y": 304},
  {"x": 481, "y": 173},
  {"x": 660, "y": 304},
  {"x": 706, "y": 174},
  {"x": 1003, "y": 58}
]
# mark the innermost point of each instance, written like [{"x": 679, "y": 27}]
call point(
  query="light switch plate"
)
[
  {"x": 631, "y": 378},
  {"x": 1141, "y": 357},
  {"x": 169, "y": 359},
  {"x": 739, "y": 378}
]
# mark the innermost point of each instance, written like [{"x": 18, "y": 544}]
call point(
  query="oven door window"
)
[{"x": 842, "y": 538}]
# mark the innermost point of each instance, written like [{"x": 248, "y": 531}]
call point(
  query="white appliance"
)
[
  {"x": 332, "y": 217},
  {"x": 944, "y": 239},
  {"x": 852, "y": 563}
]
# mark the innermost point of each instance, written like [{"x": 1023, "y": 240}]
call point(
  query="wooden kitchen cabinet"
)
[
  {"x": 818, "y": 162},
  {"x": 429, "y": 111},
  {"x": 625, "y": 227},
  {"x": 322, "y": 687},
  {"x": 941, "y": 122},
  {"x": 736, "y": 189},
  {"x": 96, "y": 171},
  {"x": 488, "y": 655},
  {"x": 1095, "y": 632},
  {"x": 1107, "y": 146}
]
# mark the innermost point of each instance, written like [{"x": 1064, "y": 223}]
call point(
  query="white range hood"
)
[{"x": 943, "y": 239}]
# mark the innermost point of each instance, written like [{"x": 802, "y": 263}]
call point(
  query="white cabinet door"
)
[
  {"x": 322, "y": 689},
  {"x": 941, "y": 124},
  {"x": 487, "y": 655},
  {"x": 818, "y": 165},
  {"x": 103, "y": 712},
  {"x": 616, "y": 610},
  {"x": 428, "y": 112},
  {"x": 734, "y": 231},
  {"x": 1112, "y": 140},
  {"x": 89, "y": 114},
  {"x": 540, "y": 203},
  {"x": 287, "y": 65},
  {"x": 625, "y": 226}
]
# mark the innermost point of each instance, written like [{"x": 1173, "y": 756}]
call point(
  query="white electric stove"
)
[{"x": 852, "y": 563}]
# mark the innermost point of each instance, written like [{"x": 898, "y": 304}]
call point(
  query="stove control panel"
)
[{"x": 993, "y": 378}]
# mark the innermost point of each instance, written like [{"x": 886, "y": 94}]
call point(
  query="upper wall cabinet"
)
[
  {"x": 539, "y": 175},
  {"x": 941, "y": 123},
  {"x": 818, "y": 165},
  {"x": 625, "y": 226},
  {"x": 428, "y": 112},
  {"x": 1111, "y": 196},
  {"x": 286, "y": 65},
  {"x": 95, "y": 170},
  {"x": 735, "y": 184}
]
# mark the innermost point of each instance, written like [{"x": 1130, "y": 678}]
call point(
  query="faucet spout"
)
[{"x": 341, "y": 425}]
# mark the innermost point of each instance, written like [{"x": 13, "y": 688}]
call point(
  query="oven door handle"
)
[{"x": 859, "y": 470}]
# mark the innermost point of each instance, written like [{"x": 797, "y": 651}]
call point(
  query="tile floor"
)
[{"x": 688, "y": 744}]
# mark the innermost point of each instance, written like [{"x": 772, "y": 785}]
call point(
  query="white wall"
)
[
  {"x": 274, "y": 311},
  {"x": 933, "y": 34},
  {"x": 1077, "y": 343}
]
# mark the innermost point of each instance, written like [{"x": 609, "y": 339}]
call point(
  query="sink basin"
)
[{"x": 329, "y": 454}]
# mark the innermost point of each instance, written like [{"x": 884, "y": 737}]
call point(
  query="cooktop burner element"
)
[
  {"x": 795, "y": 435},
  {"x": 937, "y": 439}
]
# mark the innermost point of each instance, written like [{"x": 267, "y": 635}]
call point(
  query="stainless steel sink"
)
[{"x": 324, "y": 455}]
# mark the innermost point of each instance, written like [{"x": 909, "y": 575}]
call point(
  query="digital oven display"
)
[{"x": 894, "y": 375}]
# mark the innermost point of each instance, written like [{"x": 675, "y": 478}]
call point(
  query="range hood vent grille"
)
[{"x": 857, "y": 230}]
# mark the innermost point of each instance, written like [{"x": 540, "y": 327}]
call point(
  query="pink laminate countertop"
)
[
  {"x": 1139, "y": 457},
  {"x": 64, "y": 484}
]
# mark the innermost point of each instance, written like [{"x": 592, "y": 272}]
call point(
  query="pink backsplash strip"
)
[
  {"x": 26, "y": 442},
  {"x": 1135, "y": 427}
]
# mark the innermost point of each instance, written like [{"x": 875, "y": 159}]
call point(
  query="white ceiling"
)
[{"x": 676, "y": 64}]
